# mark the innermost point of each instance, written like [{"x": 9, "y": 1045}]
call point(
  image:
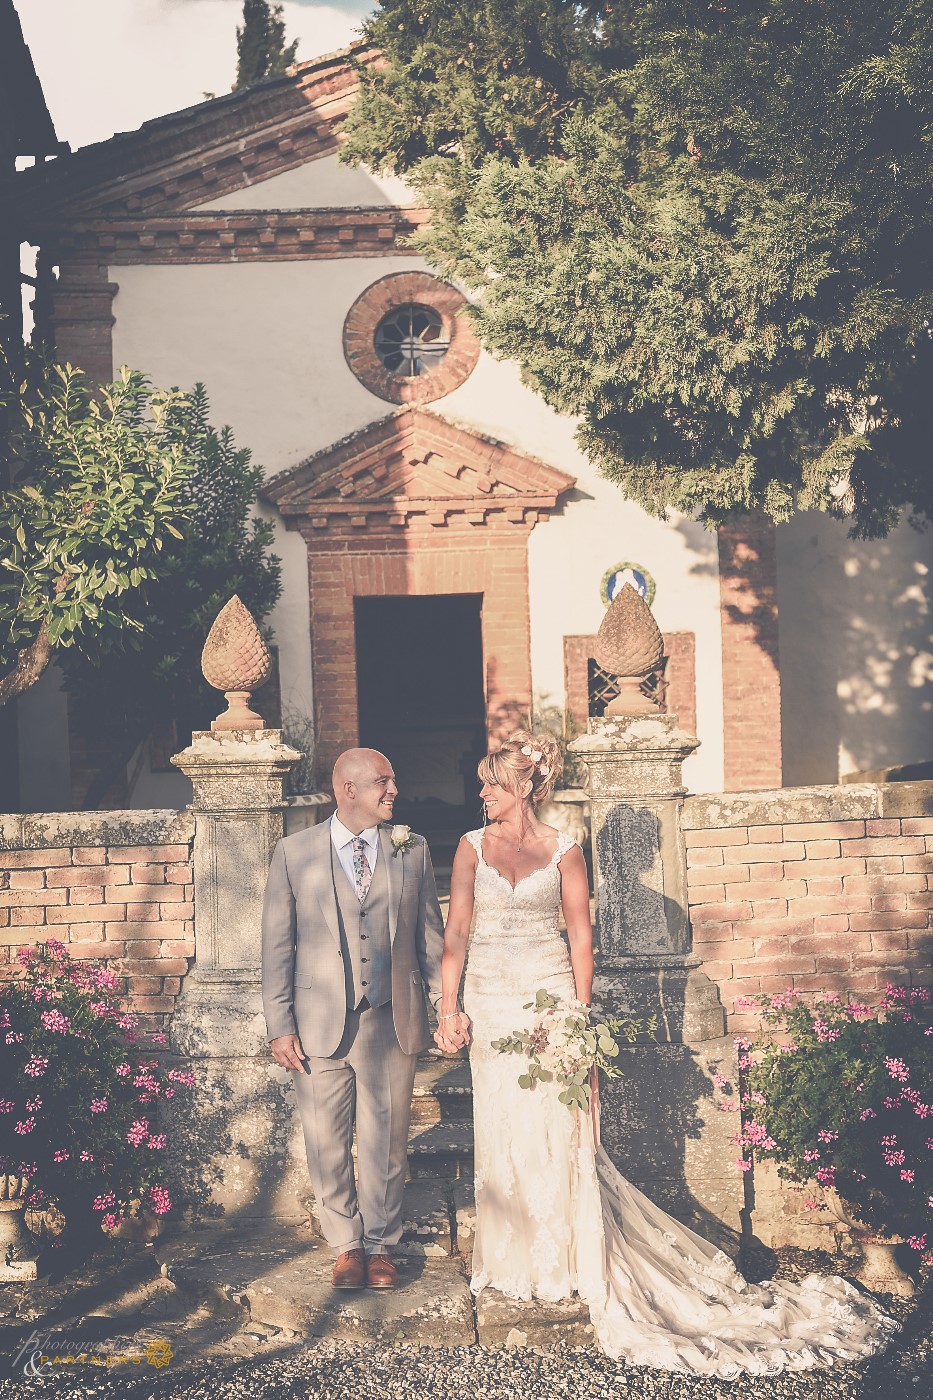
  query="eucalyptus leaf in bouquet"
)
[{"x": 565, "y": 1043}]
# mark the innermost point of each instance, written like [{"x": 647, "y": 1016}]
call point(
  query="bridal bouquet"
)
[{"x": 564, "y": 1044}]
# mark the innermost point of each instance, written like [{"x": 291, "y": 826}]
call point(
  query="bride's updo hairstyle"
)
[{"x": 524, "y": 757}]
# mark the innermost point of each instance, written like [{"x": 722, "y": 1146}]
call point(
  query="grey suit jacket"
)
[{"x": 303, "y": 983}]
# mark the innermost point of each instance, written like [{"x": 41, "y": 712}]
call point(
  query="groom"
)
[{"x": 351, "y": 933}]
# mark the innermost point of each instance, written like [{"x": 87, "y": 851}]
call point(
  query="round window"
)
[
  {"x": 411, "y": 340},
  {"x": 405, "y": 340}
]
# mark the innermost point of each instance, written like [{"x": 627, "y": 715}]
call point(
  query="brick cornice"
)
[
  {"x": 202, "y": 153},
  {"x": 246, "y": 236},
  {"x": 415, "y": 469}
]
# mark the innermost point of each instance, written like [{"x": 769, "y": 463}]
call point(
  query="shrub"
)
[
  {"x": 842, "y": 1094},
  {"x": 80, "y": 1094}
]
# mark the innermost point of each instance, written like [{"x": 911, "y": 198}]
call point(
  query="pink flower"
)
[
  {"x": 811, "y": 1155},
  {"x": 827, "y": 1135},
  {"x": 55, "y": 1021},
  {"x": 4, "y": 1019},
  {"x": 889, "y": 1141},
  {"x": 7, "y": 1105},
  {"x": 743, "y": 1165},
  {"x": 826, "y": 1176},
  {"x": 123, "y": 1070},
  {"x": 917, "y": 1241},
  {"x": 811, "y": 1204},
  {"x": 33, "y": 1105},
  {"x": 897, "y": 1069},
  {"x": 157, "y": 1142},
  {"x": 25, "y": 1126},
  {"x": 36, "y": 1066},
  {"x": 161, "y": 1201},
  {"x": 894, "y": 1159},
  {"x": 907, "y": 1176},
  {"x": 181, "y": 1076},
  {"x": 724, "y": 1105},
  {"x": 62, "y": 1154},
  {"x": 159, "y": 1037},
  {"x": 14, "y": 1037},
  {"x": 99, "y": 1105},
  {"x": 106, "y": 1202},
  {"x": 742, "y": 1042},
  {"x": 99, "y": 1008},
  {"x": 87, "y": 1156},
  {"x": 138, "y": 1132},
  {"x": 720, "y": 1081}
]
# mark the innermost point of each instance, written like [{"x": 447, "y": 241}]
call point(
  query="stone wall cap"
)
[
  {"x": 123, "y": 827},
  {"x": 770, "y": 807}
]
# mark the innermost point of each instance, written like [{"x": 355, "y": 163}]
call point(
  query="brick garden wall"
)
[
  {"x": 822, "y": 889},
  {"x": 116, "y": 886}
]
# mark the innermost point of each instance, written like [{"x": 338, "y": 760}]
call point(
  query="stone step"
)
[
  {"x": 440, "y": 1150},
  {"x": 443, "y": 1090},
  {"x": 504, "y": 1322},
  {"x": 279, "y": 1276}
]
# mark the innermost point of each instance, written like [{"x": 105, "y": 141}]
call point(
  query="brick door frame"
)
[{"x": 411, "y": 506}]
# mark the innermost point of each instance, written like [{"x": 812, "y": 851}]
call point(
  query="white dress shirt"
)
[{"x": 343, "y": 845}]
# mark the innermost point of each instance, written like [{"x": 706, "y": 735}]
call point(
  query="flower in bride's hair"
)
[
  {"x": 544, "y": 770},
  {"x": 536, "y": 755},
  {"x": 526, "y": 749}
]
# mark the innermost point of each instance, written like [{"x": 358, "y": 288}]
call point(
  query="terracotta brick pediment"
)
[
  {"x": 415, "y": 467},
  {"x": 179, "y": 161}
]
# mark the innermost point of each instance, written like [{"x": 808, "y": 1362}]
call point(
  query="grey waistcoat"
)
[{"x": 364, "y": 935}]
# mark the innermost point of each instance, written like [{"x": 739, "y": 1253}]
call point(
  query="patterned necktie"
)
[{"x": 362, "y": 874}]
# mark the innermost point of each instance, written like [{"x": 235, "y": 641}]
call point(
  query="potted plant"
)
[
  {"x": 841, "y": 1094},
  {"x": 80, "y": 1096}
]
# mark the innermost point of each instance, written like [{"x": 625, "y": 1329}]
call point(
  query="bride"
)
[{"x": 553, "y": 1215}]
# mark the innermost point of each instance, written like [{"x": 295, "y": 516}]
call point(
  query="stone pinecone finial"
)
[
  {"x": 629, "y": 645},
  {"x": 236, "y": 660}
]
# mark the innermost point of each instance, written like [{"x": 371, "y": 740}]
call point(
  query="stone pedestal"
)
[
  {"x": 234, "y": 1150},
  {"x": 660, "y": 1121}
]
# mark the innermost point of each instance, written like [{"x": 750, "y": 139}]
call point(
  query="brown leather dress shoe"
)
[
  {"x": 350, "y": 1270},
  {"x": 381, "y": 1272}
]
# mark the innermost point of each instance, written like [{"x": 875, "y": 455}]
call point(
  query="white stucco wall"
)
[
  {"x": 321, "y": 184},
  {"x": 856, "y": 649}
]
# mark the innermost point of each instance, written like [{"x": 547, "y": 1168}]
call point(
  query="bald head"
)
[{"x": 364, "y": 788}]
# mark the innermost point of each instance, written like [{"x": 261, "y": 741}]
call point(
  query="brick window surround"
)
[
  {"x": 680, "y": 674},
  {"x": 395, "y": 290},
  {"x": 414, "y": 505}
]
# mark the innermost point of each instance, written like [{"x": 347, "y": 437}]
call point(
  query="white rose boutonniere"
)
[{"x": 401, "y": 839}]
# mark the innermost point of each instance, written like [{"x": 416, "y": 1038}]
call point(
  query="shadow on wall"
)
[{"x": 856, "y": 648}]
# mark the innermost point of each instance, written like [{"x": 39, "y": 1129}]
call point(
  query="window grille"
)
[
  {"x": 602, "y": 687},
  {"x": 410, "y": 340}
]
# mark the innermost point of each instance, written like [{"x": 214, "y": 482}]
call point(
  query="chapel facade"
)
[{"x": 448, "y": 551}]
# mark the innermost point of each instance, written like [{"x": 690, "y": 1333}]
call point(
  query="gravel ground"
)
[{"x": 328, "y": 1370}]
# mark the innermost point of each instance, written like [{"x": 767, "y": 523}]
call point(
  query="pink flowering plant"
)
[
  {"x": 80, "y": 1092},
  {"x": 842, "y": 1094}
]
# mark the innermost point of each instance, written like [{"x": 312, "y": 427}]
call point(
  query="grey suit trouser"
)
[{"x": 369, "y": 1080}]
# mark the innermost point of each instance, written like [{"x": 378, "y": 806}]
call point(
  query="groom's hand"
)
[{"x": 288, "y": 1052}]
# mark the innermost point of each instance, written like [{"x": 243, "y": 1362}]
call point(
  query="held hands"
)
[
  {"x": 288, "y": 1052},
  {"x": 453, "y": 1032}
]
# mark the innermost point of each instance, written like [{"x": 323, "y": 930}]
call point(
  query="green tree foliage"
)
[
  {"x": 260, "y": 44},
  {"x": 96, "y": 487},
  {"x": 132, "y": 682},
  {"x": 703, "y": 228}
]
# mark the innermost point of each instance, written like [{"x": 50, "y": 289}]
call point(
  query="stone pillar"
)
[
  {"x": 660, "y": 1123},
  {"x": 232, "y": 1151}
]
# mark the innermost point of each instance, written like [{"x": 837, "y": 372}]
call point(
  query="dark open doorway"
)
[{"x": 420, "y": 690}]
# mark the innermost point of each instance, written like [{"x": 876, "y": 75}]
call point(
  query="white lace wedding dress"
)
[{"x": 554, "y": 1216}]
